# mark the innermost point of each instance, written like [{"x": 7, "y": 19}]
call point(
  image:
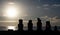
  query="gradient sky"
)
[{"x": 46, "y": 9}]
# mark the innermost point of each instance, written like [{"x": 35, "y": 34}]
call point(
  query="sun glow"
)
[{"x": 11, "y": 10}]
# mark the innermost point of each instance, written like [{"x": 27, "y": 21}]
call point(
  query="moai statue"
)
[
  {"x": 30, "y": 25},
  {"x": 39, "y": 24},
  {"x": 48, "y": 26},
  {"x": 20, "y": 25}
]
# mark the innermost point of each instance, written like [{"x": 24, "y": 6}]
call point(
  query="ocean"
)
[{"x": 4, "y": 26}]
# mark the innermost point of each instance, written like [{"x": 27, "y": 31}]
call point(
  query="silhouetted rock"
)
[
  {"x": 20, "y": 25},
  {"x": 30, "y": 25},
  {"x": 39, "y": 24},
  {"x": 48, "y": 26},
  {"x": 10, "y": 30}
]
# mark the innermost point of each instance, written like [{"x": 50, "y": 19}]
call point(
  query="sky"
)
[{"x": 31, "y": 9}]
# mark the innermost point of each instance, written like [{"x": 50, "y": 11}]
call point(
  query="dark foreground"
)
[
  {"x": 29, "y": 32},
  {"x": 11, "y": 32}
]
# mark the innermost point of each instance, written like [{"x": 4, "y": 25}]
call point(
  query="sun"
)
[{"x": 11, "y": 12}]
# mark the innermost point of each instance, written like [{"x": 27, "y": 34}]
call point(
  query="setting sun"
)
[{"x": 11, "y": 11}]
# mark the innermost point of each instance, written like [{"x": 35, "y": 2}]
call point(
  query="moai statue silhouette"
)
[
  {"x": 39, "y": 24},
  {"x": 30, "y": 25},
  {"x": 48, "y": 26},
  {"x": 20, "y": 25},
  {"x": 55, "y": 29}
]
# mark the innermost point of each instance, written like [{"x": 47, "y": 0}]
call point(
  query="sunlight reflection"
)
[{"x": 12, "y": 27}]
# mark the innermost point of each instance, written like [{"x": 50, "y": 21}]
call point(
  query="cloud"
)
[
  {"x": 38, "y": 7},
  {"x": 54, "y": 20},
  {"x": 56, "y": 5},
  {"x": 8, "y": 21},
  {"x": 48, "y": 6},
  {"x": 45, "y": 5}
]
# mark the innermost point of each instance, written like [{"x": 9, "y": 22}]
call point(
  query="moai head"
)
[
  {"x": 20, "y": 20},
  {"x": 48, "y": 22},
  {"x": 38, "y": 19},
  {"x": 30, "y": 21},
  {"x": 55, "y": 28}
]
